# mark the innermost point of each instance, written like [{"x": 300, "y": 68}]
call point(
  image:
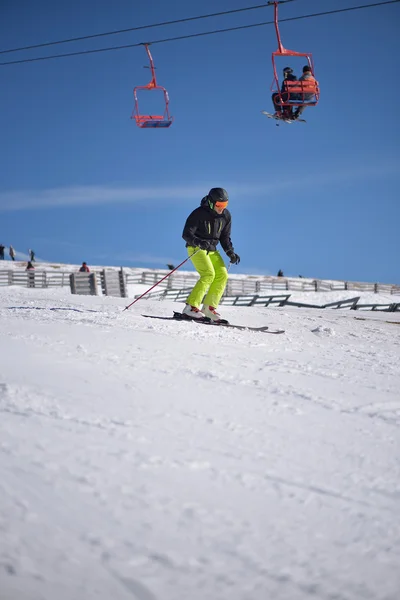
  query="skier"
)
[
  {"x": 2, "y": 248},
  {"x": 207, "y": 225},
  {"x": 12, "y": 253}
]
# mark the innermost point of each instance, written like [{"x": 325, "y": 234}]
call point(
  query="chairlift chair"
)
[
  {"x": 145, "y": 121},
  {"x": 299, "y": 93}
]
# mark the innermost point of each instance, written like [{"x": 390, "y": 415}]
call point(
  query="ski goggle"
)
[{"x": 221, "y": 204}]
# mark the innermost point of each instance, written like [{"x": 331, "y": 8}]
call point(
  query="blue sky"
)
[{"x": 79, "y": 181}]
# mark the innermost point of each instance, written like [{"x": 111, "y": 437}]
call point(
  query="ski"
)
[
  {"x": 181, "y": 317},
  {"x": 272, "y": 116},
  {"x": 223, "y": 323}
]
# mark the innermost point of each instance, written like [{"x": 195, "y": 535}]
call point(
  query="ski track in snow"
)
[{"x": 157, "y": 460}]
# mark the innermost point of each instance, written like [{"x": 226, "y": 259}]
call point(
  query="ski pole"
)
[{"x": 156, "y": 284}]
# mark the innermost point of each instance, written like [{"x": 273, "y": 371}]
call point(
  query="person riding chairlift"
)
[
  {"x": 306, "y": 97},
  {"x": 284, "y": 112}
]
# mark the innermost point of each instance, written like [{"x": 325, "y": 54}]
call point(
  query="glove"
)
[
  {"x": 202, "y": 244},
  {"x": 234, "y": 258}
]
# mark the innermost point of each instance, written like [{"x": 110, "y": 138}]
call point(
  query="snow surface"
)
[{"x": 154, "y": 460}]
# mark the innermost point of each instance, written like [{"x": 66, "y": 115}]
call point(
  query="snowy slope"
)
[{"x": 153, "y": 460}]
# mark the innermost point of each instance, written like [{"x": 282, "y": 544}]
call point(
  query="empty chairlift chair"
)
[{"x": 146, "y": 121}]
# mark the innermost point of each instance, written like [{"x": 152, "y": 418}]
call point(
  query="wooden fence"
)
[
  {"x": 182, "y": 281},
  {"x": 253, "y": 285},
  {"x": 113, "y": 283},
  {"x": 277, "y": 300},
  {"x": 83, "y": 284},
  {"x": 248, "y": 300},
  {"x": 36, "y": 278},
  {"x": 108, "y": 281}
]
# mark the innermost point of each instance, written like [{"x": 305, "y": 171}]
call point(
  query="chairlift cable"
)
[
  {"x": 139, "y": 28},
  {"x": 196, "y": 35}
]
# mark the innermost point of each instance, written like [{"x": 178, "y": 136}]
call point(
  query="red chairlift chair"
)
[
  {"x": 298, "y": 93},
  {"x": 151, "y": 121}
]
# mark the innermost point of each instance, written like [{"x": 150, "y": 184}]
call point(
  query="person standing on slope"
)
[
  {"x": 84, "y": 268},
  {"x": 205, "y": 227}
]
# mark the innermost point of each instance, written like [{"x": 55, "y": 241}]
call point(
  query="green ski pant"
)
[{"x": 213, "y": 278}]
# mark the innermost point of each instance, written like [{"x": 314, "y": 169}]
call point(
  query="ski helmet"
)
[
  {"x": 288, "y": 70},
  {"x": 217, "y": 195}
]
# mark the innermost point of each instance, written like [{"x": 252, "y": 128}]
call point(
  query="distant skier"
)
[
  {"x": 12, "y": 253},
  {"x": 207, "y": 225},
  {"x": 31, "y": 275},
  {"x": 2, "y": 248},
  {"x": 31, "y": 256},
  {"x": 84, "y": 268}
]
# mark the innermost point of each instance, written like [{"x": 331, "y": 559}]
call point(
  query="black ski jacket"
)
[
  {"x": 289, "y": 77},
  {"x": 205, "y": 224}
]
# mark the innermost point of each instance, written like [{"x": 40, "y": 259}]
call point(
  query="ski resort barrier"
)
[
  {"x": 83, "y": 284},
  {"x": 240, "y": 286},
  {"x": 256, "y": 285},
  {"x": 113, "y": 283},
  {"x": 250, "y": 300},
  {"x": 256, "y": 300},
  {"x": 36, "y": 278},
  {"x": 176, "y": 295},
  {"x": 279, "y": 300},
  {"x": 352, "y": 304}
]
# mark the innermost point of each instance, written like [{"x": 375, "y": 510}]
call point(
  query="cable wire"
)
[
  {"x": 139, "y": 28},
  {"x": 201, "y": 34}
]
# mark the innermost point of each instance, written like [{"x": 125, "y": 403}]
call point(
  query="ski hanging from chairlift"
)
[
  {"x": 293, "y": 93},
  {"x": 148, "y": 121}
]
